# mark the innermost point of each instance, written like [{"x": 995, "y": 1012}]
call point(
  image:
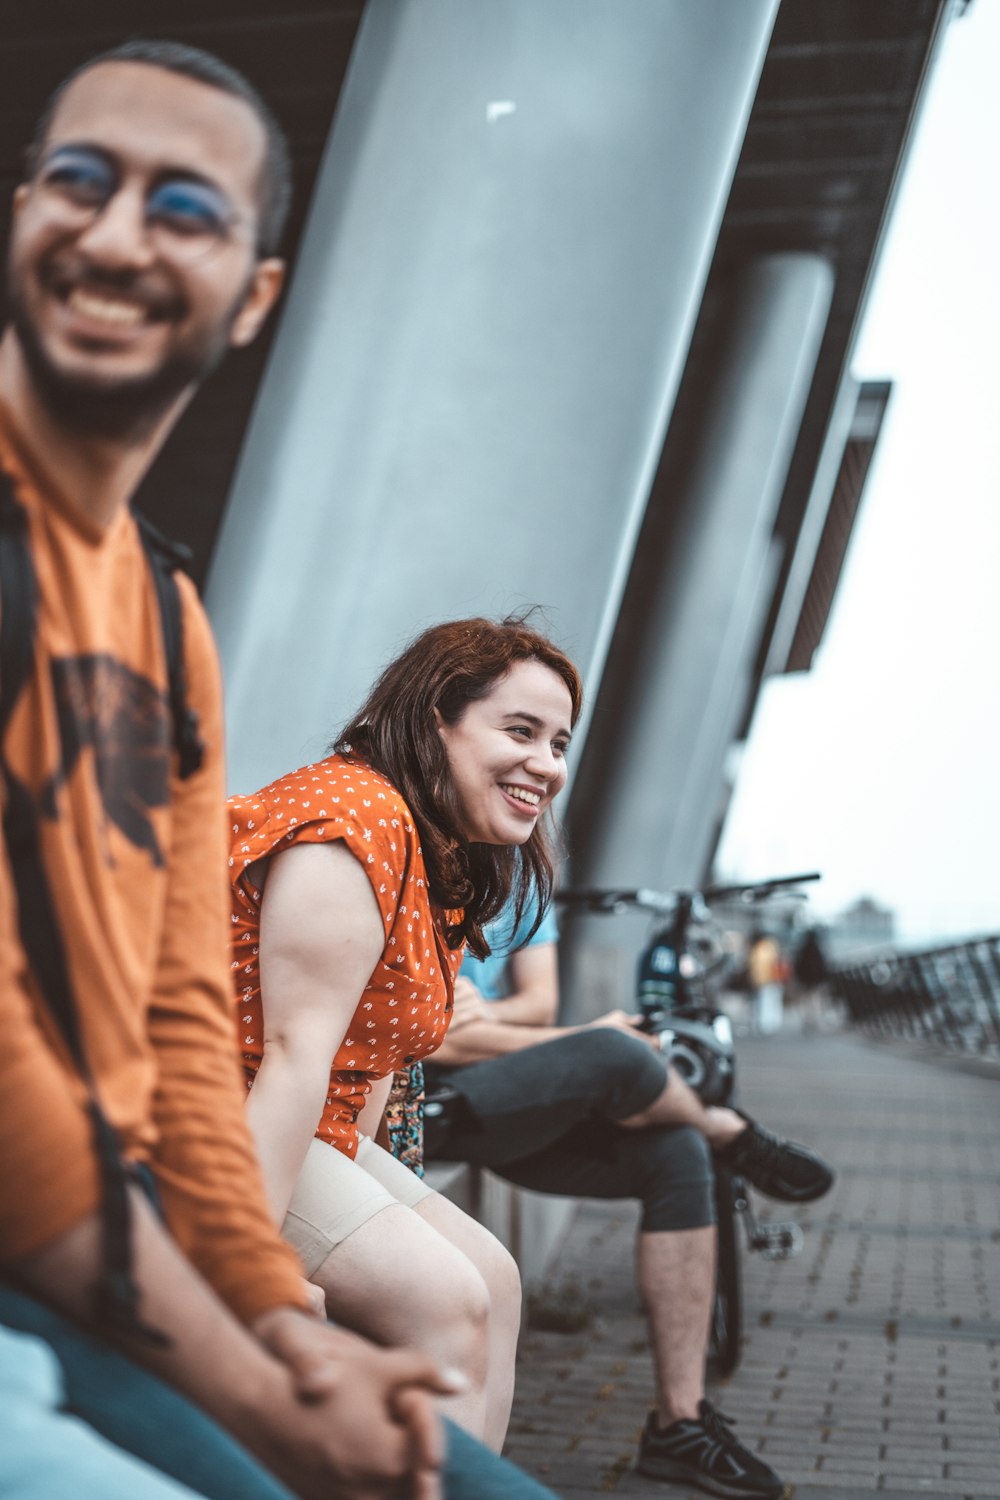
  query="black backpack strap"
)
[
  {"x": 19, "y": 612},
  {"x": 18, "y": 601},
  {"x": 18, "y": 624},
  {"x": 117, "y": 1297},
  {"x": 165, "y": 557},
  {"x": 117, "y": 1300}
]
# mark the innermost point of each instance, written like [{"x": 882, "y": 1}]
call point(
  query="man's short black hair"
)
[{"x": 275, "y": 189}]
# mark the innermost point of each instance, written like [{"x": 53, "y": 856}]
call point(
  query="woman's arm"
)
[
  {"x": 373, "y": 1112},
  {"x": 321, "y": 935}
]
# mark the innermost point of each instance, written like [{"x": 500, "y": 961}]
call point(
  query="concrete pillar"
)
[
  {"x": 467, "y": 398},
  {"x": 645, "y": 800}
]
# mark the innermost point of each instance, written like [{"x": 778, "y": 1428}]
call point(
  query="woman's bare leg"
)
[
  {"x": 499, "y": 1271},
  {"x": 401, "y": 1279}
]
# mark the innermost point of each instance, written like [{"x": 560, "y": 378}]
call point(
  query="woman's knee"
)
[
  {"x": 456, "y": 1310},
  {"x": 499, "y": 1273},
  {"x": 402, "y": 1283},
  {"x": 483, "y": 1250},
  {"x": 503, "y": 1280}
]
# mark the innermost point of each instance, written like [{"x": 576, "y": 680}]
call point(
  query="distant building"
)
[{"x": 862, "y": 926}]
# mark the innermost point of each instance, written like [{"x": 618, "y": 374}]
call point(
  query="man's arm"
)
[
  {"x": 534, "y": 996},
  {"x": 327, "y": 1412},
  {"x": 481, "y": 1029}
]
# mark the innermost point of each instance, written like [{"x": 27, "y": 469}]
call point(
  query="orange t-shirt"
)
[
  {"x": 405, "y": 1008},
  {"x": 135, "y": 860}
]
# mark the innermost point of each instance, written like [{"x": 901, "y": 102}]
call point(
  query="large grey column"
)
[
  {"x": 646, "y": 798},
  {"x": 468, "y": 394}
]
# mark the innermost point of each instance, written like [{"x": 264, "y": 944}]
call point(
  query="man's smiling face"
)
[{"x": 120, "y": 309}]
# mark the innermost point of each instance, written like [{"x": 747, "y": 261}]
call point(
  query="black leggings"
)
[{"x": 547, "y": 1117}]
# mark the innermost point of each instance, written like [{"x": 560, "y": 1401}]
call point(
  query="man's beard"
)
[{"x": 125, "y": 409}]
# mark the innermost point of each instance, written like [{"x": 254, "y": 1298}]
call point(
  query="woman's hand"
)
[{"x": 317, "y": 1299}]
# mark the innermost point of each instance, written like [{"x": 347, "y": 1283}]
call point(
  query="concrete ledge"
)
[{"x": 456, "y": 1181}]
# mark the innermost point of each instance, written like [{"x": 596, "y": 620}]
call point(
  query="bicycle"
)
[{"x": 678, "y": 979}]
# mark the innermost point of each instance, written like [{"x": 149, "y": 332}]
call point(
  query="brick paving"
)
[{"x": 871, "y": 1362}]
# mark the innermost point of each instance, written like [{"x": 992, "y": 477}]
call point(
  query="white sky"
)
[{"x": 881, "y": 766}]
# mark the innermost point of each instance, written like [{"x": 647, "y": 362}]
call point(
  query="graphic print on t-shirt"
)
[{"x": 106, "y": 707}]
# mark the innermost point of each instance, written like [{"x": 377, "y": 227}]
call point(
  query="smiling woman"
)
[
  {"x": 507, "y": 754},
  {"x": 357, "y": 883}
]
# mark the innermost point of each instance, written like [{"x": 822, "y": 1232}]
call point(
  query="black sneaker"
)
[
  {"x": 781, "y": 1169},
  {"x": 704, "y": 1452}
]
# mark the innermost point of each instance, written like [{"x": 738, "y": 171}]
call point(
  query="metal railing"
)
[{"x": 948, "y": 996}]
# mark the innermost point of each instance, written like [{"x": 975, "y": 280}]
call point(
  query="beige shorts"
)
[{"x": 334, "y": 1196}]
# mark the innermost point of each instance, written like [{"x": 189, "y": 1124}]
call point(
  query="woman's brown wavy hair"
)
[{"x": 446, "y": 668}]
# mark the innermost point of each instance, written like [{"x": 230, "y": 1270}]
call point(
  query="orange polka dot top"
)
[{"x": 406, "y": 1006}]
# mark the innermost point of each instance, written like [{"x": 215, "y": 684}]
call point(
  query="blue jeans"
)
[
  {"x": 46, "y": 1454},
  {"x": 139, "y": 1413}
]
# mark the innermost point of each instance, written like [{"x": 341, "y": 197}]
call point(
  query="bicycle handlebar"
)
[
  {"x": 759, "y": 890},
  {"x": 606, "y": 901}
]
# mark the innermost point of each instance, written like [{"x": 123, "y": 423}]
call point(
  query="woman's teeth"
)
[{"x": 521, "y": 794}]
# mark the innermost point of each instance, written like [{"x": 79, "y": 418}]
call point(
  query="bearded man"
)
[{"x": 132, "y": 1216}]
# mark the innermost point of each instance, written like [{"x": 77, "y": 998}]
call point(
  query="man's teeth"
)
[
  {"x": 122, "y": 314},
  {"x": 521, "y": 794}
]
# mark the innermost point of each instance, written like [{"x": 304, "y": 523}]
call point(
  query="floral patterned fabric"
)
[{"x": 404, "y": 1116}]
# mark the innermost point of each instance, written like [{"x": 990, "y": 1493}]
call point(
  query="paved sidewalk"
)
[{"x": 872, "y": 1361}]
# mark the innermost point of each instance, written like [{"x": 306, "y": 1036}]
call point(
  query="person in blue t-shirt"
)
[{"x": 593, "y": 1111}]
